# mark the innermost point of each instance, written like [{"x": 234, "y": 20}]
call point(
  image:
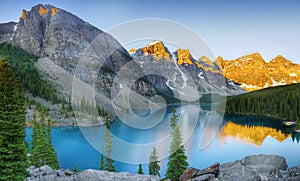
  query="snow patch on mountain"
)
[
  {"x": 200, "y": 75},
  {"x": 275, "y": 83},
  {"x": 246, "y": 86},
  {"x": 154, "y": 42},
  {"x": 15, "y": 27}
]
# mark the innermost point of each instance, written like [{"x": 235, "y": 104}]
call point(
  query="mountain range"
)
[
  {"x": 61, "y": 40},
  {"x": 251, "y": 72}
]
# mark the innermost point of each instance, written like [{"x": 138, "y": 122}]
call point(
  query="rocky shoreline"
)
[{"x": 254, "y": 168}]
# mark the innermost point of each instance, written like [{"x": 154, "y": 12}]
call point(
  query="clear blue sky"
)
[{"x": 232, "y": 28}]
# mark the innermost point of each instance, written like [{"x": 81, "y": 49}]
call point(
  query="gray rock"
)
[
  {"x": 204, "y": 174},
  {"x": 296, "y": 178},
  {"x": 294, "y": 171},
  {"x": 258, "y": 167},
  {"x": 284, "y": 173},
  {"x": 7, "y": 30},
  {"x": 96, "y": 175},
  {"x": 46, "y": 173},
  {"x": 275, "y": 161},
  {"x": 46, "y": 170},
  {"x": 203, "y": 177},
  {"x": 260, "y": 178}
]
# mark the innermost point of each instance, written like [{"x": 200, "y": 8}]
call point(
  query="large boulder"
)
[
  {"x": 249, "y": 168},
  {"x": 257, "y": 167},
  {"x": 194, "y": 174}
]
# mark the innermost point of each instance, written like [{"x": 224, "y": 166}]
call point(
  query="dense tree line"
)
[
  {"x": 13, "y": 151},
  {"x": 282, "y": 102},
  {"x": 22, "y": 64}
]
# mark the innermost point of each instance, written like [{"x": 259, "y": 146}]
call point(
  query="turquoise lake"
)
[{"x": 207, "y": 140}]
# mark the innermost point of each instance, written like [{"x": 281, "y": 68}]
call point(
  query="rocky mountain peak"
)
[
  {"x": 41, "y": 10},
  {"x": 49, "y": 31},
  {"x": 254, "y": 58},
  {"x": 206, "y": 61},
  {"x": 157, "y": 49},
  {"x": 33, "y": 26},
  {"x": 253, "y": 73},
  {"x": 280, "y": 61},
  {"x": 23, "y": 16},
  {"x": 199, "y": 69},
  {"x": 132, "y": 51},
  {"x": 183, "y": 56}
]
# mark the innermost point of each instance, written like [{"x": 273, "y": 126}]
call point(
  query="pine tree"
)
[
  {"x": 177, "y": 160},
  {"x": 154, "y": 167},
  {"x": 177, "y": 164},
  {"x": 140, "y": 170},
  {"x": 52, "y": 157},
  {"x": 75, "y": 169},
  {"x": 69, "y": 104},
  {"x": 13, "y": 151},
  {"x": 102, "y": 164},
  {"x": 174, "y": 118},
  {"x": 35, "y": 141},
  {"x": 108, "y": 147},
  {"x": 42, "y": 150}
]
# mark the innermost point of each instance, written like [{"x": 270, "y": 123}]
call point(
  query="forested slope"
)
[
  {"x": 22, "y": 64},
  {"x": 282, "y": 102}
]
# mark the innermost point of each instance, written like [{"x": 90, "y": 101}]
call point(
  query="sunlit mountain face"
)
[
  {"x": 252, "y": 134},
  {"x": 253, "y": 73},
  {"x": 159, "y": 51}
]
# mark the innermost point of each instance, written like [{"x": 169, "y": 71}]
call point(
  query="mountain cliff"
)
[
  {"x": 51, "y": 32},
  {"x": 6, "y": 31},
  {"x": 60, "y": 40}
]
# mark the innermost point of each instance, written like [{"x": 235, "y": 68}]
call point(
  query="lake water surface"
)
[{"x": 207, "y": 140}]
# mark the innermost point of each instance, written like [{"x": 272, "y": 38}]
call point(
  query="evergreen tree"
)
[
  {"x": 35, "y": 141},
  {"x": 102, "y": 164},
  {"x": 174, "y": 119},
  {"x": 75, "y": 169},
  {"x": 140, "y": 170},
  {"x": 52, "y": 157},
  {"x": 23, "y": 65},
  {"x": 108, "y": 147},
  {"x": 70, "y": 104},
  {"x": 13, "y": 151},
  {"x": 42, "y": 150},
  {"x": 154, "y": 167},
  {"x": 177, "y": 160},
  {"x": 177, "y": 164}
]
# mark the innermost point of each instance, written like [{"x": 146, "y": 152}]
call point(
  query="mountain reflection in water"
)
[{"x": 252, "y": 134}]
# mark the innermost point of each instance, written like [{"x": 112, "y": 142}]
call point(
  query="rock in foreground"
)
[
  {"x": 256, "y": 168},
  {"x": 46, "y": 173}
]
